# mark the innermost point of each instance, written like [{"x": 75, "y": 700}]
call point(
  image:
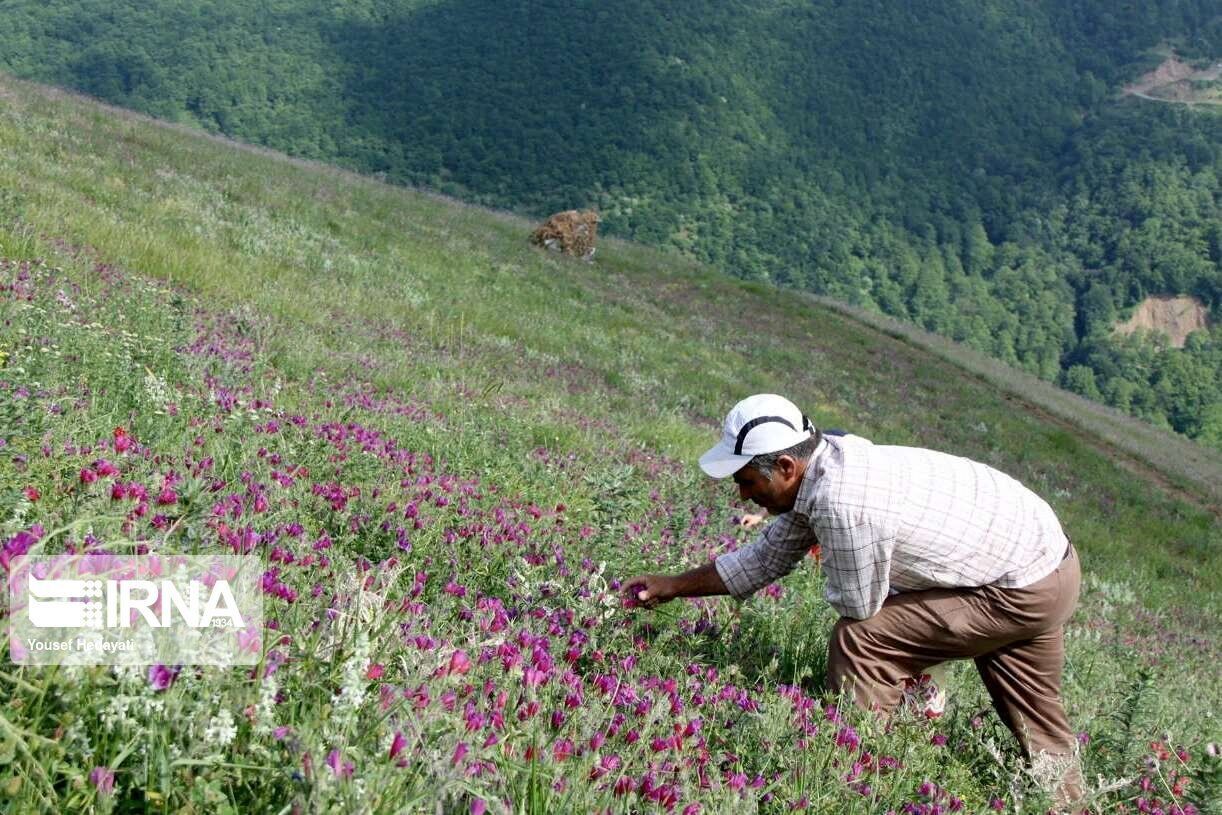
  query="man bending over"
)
[{"x": 927, "y": 557}]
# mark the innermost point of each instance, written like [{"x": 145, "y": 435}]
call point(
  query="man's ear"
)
[{"x": 788, "y": 465}]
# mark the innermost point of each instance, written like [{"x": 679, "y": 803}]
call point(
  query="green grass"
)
[{"x": 547, "y": 382}]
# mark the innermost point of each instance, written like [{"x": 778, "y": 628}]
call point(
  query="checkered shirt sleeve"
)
[
  {"x": 774, "y": 554},
  {"x": 857, "y": 561}
]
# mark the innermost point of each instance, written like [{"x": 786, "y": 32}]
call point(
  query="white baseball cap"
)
[{"x": 764, "y": 423}]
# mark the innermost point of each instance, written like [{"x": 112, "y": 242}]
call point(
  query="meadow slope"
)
[{"x": 447, "y": 446}]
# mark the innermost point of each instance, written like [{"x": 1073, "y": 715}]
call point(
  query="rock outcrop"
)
[{"x": 572, "y": 232}]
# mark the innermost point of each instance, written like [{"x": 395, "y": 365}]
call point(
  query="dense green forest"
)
[{"x": 968, "y": 165}]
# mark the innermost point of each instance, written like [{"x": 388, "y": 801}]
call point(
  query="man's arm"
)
[{"x": 651, "y": 590}]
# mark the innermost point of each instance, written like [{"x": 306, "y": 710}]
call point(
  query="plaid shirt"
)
[{"x": 896, "y": 519}]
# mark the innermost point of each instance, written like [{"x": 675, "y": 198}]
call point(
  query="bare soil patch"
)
[
  {"x": 1177, "y": 316},
  {"x": 1177, "y": 81}
]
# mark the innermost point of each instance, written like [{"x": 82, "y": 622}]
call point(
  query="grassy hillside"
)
[
  {"x": 966, "y": 165},
  {"x": 447, "y": 446}
]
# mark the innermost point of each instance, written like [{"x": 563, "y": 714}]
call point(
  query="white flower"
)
[
  {"x": 156, "y": 389},
  {"x": 352, "y": 692},
  {"x": 222, "y": 729},
  {"x": 266, "y": 708},
  {"x": 115, "y": 714}
]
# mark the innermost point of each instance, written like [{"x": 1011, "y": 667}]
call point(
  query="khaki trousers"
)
[{"x": 1015, "y": 636}]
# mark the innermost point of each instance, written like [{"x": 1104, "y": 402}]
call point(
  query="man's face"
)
[{"x": 776, "y": 493}]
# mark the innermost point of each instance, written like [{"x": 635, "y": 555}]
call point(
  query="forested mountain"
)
[{"x": 966, "y": 164}]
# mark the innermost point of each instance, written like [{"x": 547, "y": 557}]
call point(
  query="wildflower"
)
[
  {"x": 104, "y": 779},
  {"x": 32, "y": 494},
  {"x": 161, "y": 676},
  {"x": 397, "y": 744},
  {"x": 248, "y": 640},
  {"x": 562, "y": 749},
  {"x": 339, "y": 767},
  {"x": 460, "y": 663},
  {"x": 221, "y": 730},
  {"x": 19, "y": 544},
  {"x": 88, "y": 475},
  {"x": 847, "y": 738},
  {"x": 460, "y": 752},
  {"x": 605, "y": 764},
  {"x": 938, "y": 740},
  {"x": 104, "y": 468},
  {"x": 353, "y": 690},
  {"x": 478, "y": 806},
  {"x": 123, "y": 442},
  {"x": 374, "y": 671}
]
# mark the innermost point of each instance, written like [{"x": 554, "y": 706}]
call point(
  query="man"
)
[{"x": 927, "y": 557}]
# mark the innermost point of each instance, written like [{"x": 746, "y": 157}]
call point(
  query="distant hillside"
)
[{"x": 967, "y": 166}]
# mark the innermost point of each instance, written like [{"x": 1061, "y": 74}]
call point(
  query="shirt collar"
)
[{"x": 814, "y": 471}]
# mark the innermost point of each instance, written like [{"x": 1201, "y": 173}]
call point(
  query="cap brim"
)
[{"x": 721, "y": 461}]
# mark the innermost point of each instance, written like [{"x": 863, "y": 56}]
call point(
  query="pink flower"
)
[
  {"x": 339, "y": 767},
  {"x": 104, "y": 779},
  {"x": 32, "y": 494},
  {"x": 460, "y": 752},
  {"x": 374, "y": 671},
  {"x": 248, "y": 640},
  {"x": 397, "y": 744},
  {"x": 847, "y": 738},
  {"x": 478, "y": 807},
  {"x": 166, "y": 497},
  {"x": 104, "y": 468},
  {"x": 161, "y": 676},
  {"x": 460, "y": 663},
  {"x": 123, "y": 442},
  {"x": 562, "y": 749},
  {"x": 88, "y": 476}
]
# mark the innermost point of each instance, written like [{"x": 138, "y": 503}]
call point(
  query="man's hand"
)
[
  {"x": 750, "y": 519},
  {"x": 651, "y": 590},
  {"x": 648, "y": 590}
]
